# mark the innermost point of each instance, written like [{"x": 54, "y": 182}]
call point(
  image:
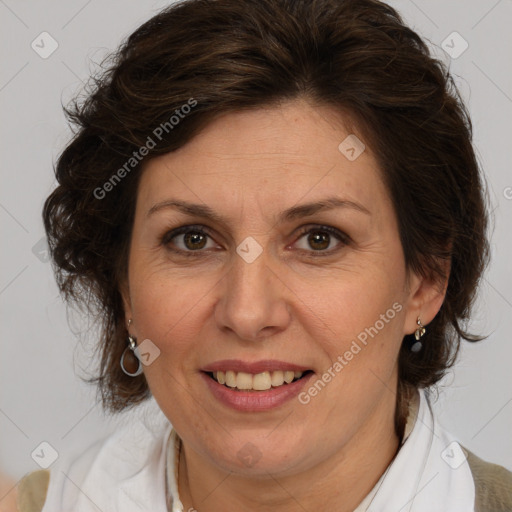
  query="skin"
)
[
  {"x": 287, "y": 305},
  {"x": 8, "y": 493}
]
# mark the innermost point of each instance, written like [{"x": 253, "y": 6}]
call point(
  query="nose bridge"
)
[
  {"x": 252, "y": 296},
  {"x": 248, "y": 277}
]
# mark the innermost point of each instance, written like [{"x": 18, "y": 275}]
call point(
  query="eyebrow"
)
[{"x": 295, "y": 212}]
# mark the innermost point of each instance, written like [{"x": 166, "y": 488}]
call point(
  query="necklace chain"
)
[{"x": 177, "y": 461}]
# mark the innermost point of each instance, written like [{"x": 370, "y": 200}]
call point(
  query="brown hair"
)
[{"x": 227, "y": 55}]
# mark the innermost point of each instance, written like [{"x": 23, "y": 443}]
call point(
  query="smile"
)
[{"x": 263, "y": 381}]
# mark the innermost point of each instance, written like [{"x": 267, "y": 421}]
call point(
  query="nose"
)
[{"x": 254, "y": 301}]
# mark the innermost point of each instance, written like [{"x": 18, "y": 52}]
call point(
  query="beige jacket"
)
[{"x": 493, "y": 487}]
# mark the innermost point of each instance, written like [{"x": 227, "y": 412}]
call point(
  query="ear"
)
[{"x": 426, "y": 296}]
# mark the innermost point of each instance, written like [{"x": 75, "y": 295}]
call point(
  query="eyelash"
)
[{"x": 342, "y": 237}]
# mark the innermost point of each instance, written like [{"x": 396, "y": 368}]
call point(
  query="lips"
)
[
  {"x": 268, "y": 365},
  {"x": 255, "y": 400},
  {"x": 256, "y": 376},
  {"x": 259, "y": 382}
]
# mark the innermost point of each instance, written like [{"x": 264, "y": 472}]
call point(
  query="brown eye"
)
[
  {"x": 319, "y": 240},
  {"x": 322, "y": 239},
  {"x": 194, "y": 241},
  {"x": 187, "y": 239}
]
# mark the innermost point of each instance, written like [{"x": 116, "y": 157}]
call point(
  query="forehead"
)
[{"x": 268, "y": 157}]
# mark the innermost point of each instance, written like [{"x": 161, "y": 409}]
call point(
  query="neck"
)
[{"x": 338, "y": 483}]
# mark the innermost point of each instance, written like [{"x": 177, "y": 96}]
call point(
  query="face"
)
[{"x": 259, "y": 248}]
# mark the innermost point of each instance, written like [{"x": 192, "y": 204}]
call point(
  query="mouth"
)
[
  {"x": 256, "y": 386},
  {"x": 263, "y": 381}
]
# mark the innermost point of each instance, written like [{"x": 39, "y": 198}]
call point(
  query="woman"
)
[{"x": 276, "y": 208}]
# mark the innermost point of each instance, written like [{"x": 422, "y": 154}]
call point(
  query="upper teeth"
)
[{"x": 258, "y": 382}]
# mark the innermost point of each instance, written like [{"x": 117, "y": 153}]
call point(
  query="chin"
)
[{"x": 257, "y": 455}]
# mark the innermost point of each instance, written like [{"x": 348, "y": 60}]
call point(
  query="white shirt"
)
[{"x": 131, "y": 470}]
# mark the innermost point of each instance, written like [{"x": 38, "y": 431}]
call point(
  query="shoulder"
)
[
  {"x": 130, "y": 453},
  {"x": 38, "y": 487},
  {"x": 493, "y": 485},
  {"x": 32, "y": 490},
  {"x": 35, "y": 487}
]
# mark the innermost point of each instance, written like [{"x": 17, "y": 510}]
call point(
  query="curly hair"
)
[{"x": 353, "y": 56}]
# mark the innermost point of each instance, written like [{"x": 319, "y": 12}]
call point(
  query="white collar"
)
[
  {"x": 123, "y": 472},
  {"x": 430, "y": 471}
]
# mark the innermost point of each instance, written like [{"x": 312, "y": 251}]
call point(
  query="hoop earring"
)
[
  {"x": 420, "y": 331},
  {"x": 132, "y": 345}
]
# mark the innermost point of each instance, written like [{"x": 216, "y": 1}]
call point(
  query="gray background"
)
[{"x": 41, "y": 396}]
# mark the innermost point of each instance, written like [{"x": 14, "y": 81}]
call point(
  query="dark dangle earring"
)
[
  {"x": 130, "y": 363},
  {"x": 420, "y": 331}
]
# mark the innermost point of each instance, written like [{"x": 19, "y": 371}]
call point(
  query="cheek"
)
[
  {"x": 353, "y": 304},
  {"x": 357, "y": 324},
  {"x": 170, "y": 309},
  {"x": 167, "y": 313}
]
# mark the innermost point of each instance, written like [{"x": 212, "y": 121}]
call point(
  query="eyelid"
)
[
  {"x": 171, "y": 233},
  {"x": 343, "y": 238}
]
